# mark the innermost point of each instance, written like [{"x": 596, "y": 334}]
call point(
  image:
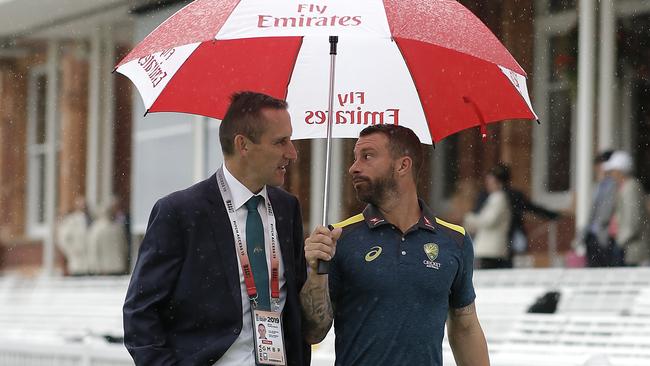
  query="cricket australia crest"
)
[{"x": 431, "y": 250}]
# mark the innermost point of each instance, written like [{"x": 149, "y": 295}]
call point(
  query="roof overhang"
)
[{"x": 24, "y": 18}]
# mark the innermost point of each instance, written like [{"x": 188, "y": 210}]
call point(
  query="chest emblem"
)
[
  {"x": 431, "y": 250},
  {"x": 373, "y": 253}
]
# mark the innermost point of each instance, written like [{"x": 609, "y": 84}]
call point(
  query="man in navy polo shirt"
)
[{"x": 399, "y": 272}]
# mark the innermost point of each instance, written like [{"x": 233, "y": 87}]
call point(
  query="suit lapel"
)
[{"x": 223, "y": 237}]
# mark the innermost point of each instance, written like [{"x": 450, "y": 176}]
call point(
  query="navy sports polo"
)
[{"x": 391, "y": 291}]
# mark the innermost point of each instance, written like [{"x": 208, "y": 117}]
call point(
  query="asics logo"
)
[{"x": 373, "y": 253}]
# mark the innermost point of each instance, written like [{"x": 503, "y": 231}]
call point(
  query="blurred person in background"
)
[
  {"x": 519, "y": 204},
  {"x": 107, "y": 244},
  {"x": 599, "y": 245},
  {"x": 72, "y": 238},
  {"x": 491, "y": 224},
  {"x": 629, "y": 225}
]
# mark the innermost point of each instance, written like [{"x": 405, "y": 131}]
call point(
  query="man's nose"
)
[
  {"x": 291, "y": 153},
  {"x": 354, "y": 168}
]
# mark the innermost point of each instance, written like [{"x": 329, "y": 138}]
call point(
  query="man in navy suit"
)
[{"x": 188, "y": 302}]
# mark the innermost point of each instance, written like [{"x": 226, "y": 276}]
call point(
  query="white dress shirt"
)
[{"x": 240, "y": 353}]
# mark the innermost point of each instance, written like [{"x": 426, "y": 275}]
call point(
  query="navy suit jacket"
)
[{"x": 183, "y": 305}]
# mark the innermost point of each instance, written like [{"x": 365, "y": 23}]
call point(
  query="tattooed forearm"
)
[{"x": 317, "y": 310}]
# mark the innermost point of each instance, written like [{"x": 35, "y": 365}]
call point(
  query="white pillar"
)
[
  {"x": 94, "y": 108},
  {"x": 317, "y": 183},
  {"x": 108, "y": 115},
  {"x": 607, "y": 76},
  {"x": 585, "y": 125},
  {"x": 51, "y": 184}
]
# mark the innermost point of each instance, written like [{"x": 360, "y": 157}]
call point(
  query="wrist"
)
[{"x": 313, "y": 276}]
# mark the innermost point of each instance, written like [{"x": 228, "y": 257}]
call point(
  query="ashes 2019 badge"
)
[
  {"x": 431, "y": 250},
  {"x": 268, "y": 338}
]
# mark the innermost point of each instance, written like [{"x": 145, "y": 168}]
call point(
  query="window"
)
[
  {"x": 558, "y": 167},
  {"x": 561, "y": 94},
  {"x": 555, "y": 83},
  {"x": 634, "y": 65},
  {"x": 556, "y": 6}
]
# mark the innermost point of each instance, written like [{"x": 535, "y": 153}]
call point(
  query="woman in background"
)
[{"x": 491, "y": 224}]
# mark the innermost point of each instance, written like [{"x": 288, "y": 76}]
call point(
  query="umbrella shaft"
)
[
  {"x": 330, "y": 114},
  {"x": 323, "y": 267}
]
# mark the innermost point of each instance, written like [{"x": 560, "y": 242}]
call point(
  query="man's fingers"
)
[
  {"x": 336, "y": 233},
  {"x": 320, "y": 230},
  {"x": 319, "y": 247},
  {"x": 319, "y": 255},
  {"x": 321, "y": 244},
  {"x": 321, "y": 238},
  {"x": 312, "y": 257}
]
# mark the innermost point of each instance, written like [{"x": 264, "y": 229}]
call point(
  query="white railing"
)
[
  {"x": 603, "y": 316},
  {"x": 63, "y": 321}
]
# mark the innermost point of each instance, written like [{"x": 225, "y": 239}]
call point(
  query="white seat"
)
[{"x": 61, "y": 308}]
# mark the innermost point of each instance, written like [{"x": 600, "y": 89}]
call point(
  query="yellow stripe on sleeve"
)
[{"x": 454, "y": 227}]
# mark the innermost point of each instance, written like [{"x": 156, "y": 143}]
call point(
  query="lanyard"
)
[{"x": 242, "y": 251}]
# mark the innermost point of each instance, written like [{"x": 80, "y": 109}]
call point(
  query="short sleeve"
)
[{"x": 462, "y": 289}]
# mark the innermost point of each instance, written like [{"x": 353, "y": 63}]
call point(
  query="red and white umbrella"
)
[{"x": 429, "y": 65}]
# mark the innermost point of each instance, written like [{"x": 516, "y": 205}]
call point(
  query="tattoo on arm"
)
[
  {"x": 317, "y": 312},
  {"x": 467, "y": 310}
]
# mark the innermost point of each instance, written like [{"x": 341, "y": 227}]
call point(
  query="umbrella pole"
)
[{"x": 323, "y": 266}]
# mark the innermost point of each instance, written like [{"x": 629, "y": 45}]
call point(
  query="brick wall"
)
[{"x": 13, "y": 122}]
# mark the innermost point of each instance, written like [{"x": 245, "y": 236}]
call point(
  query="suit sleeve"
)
[
  {"x": 299, "y": 252},
  {"x": 156, "y": 270},
  {"x": 300, "y": 268}
]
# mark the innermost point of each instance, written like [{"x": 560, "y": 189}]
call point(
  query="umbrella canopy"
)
[{"x": 429, "y": 65}]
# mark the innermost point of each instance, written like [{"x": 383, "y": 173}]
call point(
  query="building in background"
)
[{"x": 69, "y": 127}]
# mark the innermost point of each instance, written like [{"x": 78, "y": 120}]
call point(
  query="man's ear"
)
[
  {"x": 241, "y": 144},
  {"x": 404, "y": 166}
]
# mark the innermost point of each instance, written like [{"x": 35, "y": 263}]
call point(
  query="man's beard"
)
[{"x": 376, "y": 192}]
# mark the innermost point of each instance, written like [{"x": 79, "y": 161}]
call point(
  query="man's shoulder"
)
[
  {"x": 279, "y": 193},
  {"x": 282, "y": 201},
  {"x": 449, "y": 227},
  {"x": 351, "y": 225},
  {"x": 455, "y": 232},
  {"x": 350, "y": 222},
  {"x": 192, "y": 194}
]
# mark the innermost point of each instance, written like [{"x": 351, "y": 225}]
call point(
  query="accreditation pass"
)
[{"x": 269, "y": 342}]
